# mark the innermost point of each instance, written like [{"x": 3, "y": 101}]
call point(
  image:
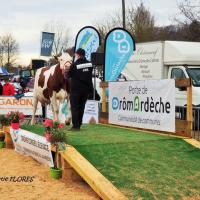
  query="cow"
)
[{"x": 50, "y": 87}]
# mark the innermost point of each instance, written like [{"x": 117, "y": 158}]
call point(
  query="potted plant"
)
[
  {"x": 5, "y": 123},
  {"x": 5, "y": 138},
  {"x": 2, "y": 136},
  {"x": 56, "y": 136},
  {"x": 15, "y": 118}
]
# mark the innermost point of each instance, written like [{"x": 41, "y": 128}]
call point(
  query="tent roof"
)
[{"x": 3, "y": 71}]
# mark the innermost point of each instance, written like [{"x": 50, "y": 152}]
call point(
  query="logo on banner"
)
[
  {"x": 115, "y": 103},
  {"x": 147, "y": 105},
  {"x": 47, "y": 43},
  {"x": 119, "y": 47},
  {"x": 140, "y": 104},
  {"x": 123, "y": 44},
  {"x": 88, "y": 39},
  {"x": 15, "y": 135}
]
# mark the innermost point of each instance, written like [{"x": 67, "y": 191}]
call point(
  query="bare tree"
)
[
  {"x": 139, "y": 21},
  {"x": 107, "y": 23},
  {"x": 190, "y": 9},
  {"x": 9, "y": 50},
  {"x": 1, "y": 53},
  {"x": 189, "y": 20},
  {"x": 62, "y": 35}
]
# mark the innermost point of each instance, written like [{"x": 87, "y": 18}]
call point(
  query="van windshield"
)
[{"x": 194, "y": 74}]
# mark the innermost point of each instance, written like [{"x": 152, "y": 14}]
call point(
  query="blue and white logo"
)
[
  {"x": 119, "y": 37},
  {"x": 115, "y": 103},
  {"x": 47, "y": 44},
  {"x": 88, "y": 39},
  {"x": 119, "y": 48},
  {"x": 15, "y": 135}
]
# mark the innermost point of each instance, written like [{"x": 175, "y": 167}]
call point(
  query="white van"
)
[{"x": 164, "y": 60}]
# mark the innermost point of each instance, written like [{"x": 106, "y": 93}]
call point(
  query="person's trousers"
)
[{"x": 78, "y": 101}]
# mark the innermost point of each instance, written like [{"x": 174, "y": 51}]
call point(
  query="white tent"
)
[{"x": 1, "y": 71}]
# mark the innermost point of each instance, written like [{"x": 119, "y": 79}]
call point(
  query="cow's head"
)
[{"x": 65, "y": 60}]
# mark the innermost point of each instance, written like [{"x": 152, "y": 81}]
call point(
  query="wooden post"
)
[
  {"x": 59, "y": 164},
  {"x": 189, "y": 107},
  {"x": 104, "y": 86},
  {"x": 184, "y": 127},
  {"x": 8, "y": 139},
  {"x": 103, "y": 99}
]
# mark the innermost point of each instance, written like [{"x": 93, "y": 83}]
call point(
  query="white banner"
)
[
  {"x": 25, "y": 105},
  {"x": 91, "y": 112},
  {"x": 144, "y": 104},
  {"x": 33, "y": 145},
  {"x": 146, "y": 62}
]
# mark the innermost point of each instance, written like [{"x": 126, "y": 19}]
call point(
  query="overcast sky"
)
[{"x": 26, "y": 19}]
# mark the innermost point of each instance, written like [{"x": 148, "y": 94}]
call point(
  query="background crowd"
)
[{"x": 14, "y": 86}]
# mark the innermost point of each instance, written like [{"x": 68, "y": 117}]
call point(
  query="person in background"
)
[
  {"x": 8, "y": 89},
  {"x": 1, "y": 89},
  {"x": 16, "y": 84},
  {"x": 80, "y": 73}
]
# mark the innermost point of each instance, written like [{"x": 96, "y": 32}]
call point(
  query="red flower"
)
[
  {"x": 21, "y": 116},
  {"x": 48, "y": 123},
  {"x": 48, "y": 137},
  {"x": 60, "y": 125}
]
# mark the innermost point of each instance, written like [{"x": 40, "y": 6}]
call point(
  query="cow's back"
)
[{"x": 47, "y": 81}]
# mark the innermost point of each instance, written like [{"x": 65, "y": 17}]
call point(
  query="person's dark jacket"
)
[
  {"x": 81, "y": 77},
  {"x": 1, "y": 89}
]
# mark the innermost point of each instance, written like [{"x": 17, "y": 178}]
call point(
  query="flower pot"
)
[
  {"x": 15, "y": 126},
  {"x": 2, "y": 136},
  {"x": 2, "y": 144},
  {"x": 56, "y": 173},
  {"x": 8, "y": 140},
  {"x": 6, "y": 129}
]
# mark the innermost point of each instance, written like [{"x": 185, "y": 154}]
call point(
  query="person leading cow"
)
[{"x": 80, "y": 73}]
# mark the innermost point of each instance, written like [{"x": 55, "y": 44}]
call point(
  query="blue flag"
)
[
  {"x": 47, "y": 44},
  {"x": 119, "y": 46},
  {"x": 88, "y": 39}
]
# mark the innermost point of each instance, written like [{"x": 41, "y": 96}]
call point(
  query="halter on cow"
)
[{"x": 51, "y": 88}]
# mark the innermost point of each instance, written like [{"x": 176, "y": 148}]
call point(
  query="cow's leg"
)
[
  {"x": 69, "y": 114},
  {"x": 55, "y": 108},
  {"x": 35, "y": 103}
]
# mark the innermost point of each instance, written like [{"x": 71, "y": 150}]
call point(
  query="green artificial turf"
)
[{"x": 141, "y": 165}]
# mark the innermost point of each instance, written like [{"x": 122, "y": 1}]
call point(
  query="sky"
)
[{"x": 26, "y": 19}]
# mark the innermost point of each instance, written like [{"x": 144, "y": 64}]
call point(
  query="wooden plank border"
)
[{"x": 104, "y": 188}]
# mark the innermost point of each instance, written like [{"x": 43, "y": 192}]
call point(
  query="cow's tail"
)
[{"x": 36, "y": 82}]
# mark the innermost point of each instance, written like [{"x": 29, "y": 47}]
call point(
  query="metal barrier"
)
[{"x": 181, "y": 114}]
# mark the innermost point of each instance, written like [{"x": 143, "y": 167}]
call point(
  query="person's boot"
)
[{"x": 74, "y": 129}]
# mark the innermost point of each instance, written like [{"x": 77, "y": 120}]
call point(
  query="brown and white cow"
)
[{"x": 51, "y": 88}]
